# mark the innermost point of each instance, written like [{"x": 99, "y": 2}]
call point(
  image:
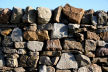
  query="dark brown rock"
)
[
  {"x": 74, "y": 14},
  {"x": 104, "y": 36},
  {"x": 51, "y": 53},
  {"x": 53, "y": 45},
  {"x": 102, "y": 52}
]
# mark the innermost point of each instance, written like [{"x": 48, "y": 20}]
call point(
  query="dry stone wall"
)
[{"x": 66, "y": 39}]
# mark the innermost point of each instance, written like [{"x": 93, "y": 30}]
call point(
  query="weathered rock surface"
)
[
  {"x": 55, "y": 60},
  {"x": 63, "y": 70},
  {"x": 67, "y": 61},
  {"x": 43, "y": 68},
  {"x": 9, "y": 50},
  {"x": 51, "y": 53},
  {"x": 35, "y": 45},
  {"x": 53, "y": 45},
  {"x": 104, "y": 36},
  {"x": 102, "y": 52},
  {"x": 21, "y": 51},
  {"x": 44, "y": 15},
  {"x": 19, "y": 69},
  {"x": 59, "y": 31},
  {"x": 101, "y": 43},
  {"x": 73, "y": 14},
  {"x": 6, "y": 32},
  {"x": 50, "y": 69},
  {"x": 20, "y": 44}
]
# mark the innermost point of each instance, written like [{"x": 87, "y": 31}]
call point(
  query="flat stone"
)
[
  {"x": 92, "y": 35},
  {"x": 104, "y": 36},
  {"x": 90, "y": 45},
  {"x": 73, "y": 14},
  {"x": 30, "y": 35},
  {"x": 82, "y": 60},
  {"x": 48, "y": 26},
  {"x": 42, "y": 68},
  {"x": 90, "y": 54},
  {"x": 55, "y": 60},
  {"x": 22, "y": 51},
  {"x": 57, "y": 14},
  {"x": 102, "y": 52},
  {"x": 51, "y": 53},
  {"x": 45, "y": 60},
  {"x": 12, "y": 62},
  {"x": 30, "y": 15},
  {"x": 20, "y": 44},
  {"x": 43, "y": 35},
  {"x": 86, "y": 19},
  {"x": 19, "y": 69},
  {"x": 44, "y": 15},
  {"x": 6, "y": 32},
  {"x": 67, "y": 61},
  {"x": 101, "y": 43},
  {"x": 63, "y": 70},
  {"x": 17, "y": 35},
  {"x": 53, "y": 45},
  {"x": 70, "y": 44},
  {"x": 7, "y": 41},
  {"x": 5, "y": 15},
  {"x": 73, "y": 26},
  {"x": 17, "y": 14},
  {"x": 15, "y": 55},
  {"x": 9, "y": 50},
  {"x": 59, "y": 30},
  {"x": 35, "y": 45}
]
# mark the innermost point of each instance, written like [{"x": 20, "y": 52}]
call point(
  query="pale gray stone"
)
[
  {"x": 44, "y": 15},
  {"x": 35, "y": 45},
  {"x": 50, "y": 69},
  {"x": 31, "y": 27},
  {"x": 21, "y": 51},
  {"x": 43, "y": 68},
  {"x": 67, "y": 61},
  {"x": 17, "y": 35},
  {"x": 48, "y": 26},
  {"x": 20, "y": 44},
  {"x": 73, "y": 26},
  {"x": 19, "y": 69},
  {"x": 9, "y": 50},
  {"x": 59, "y": 30},
  {"x": 101, "y": 43}
]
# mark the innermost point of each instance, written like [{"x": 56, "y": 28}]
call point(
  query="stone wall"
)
[{"x": 66, "y": 39}]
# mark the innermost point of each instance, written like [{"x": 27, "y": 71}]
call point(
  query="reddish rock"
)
[
  {"x": 92, "y": 35},
  {"x": 104, "y": 36},
  {"x": 5, "y": 15},
  {"x": 53, "y": 45},
  {"x": 74, "y": 14}
]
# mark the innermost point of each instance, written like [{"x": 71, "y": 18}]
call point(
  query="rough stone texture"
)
[
  {"x": 70, "y": 44},
  {"x": 7, "y": 41},
  {"x": 45, "y": 60},
  {"x": 20, "y": 44},
  {"x": 48, "y": 26},
  {"x": 53, "y": 45},
  {"x": 63, "y": 70},
  {"x": 90, "y": 45},
  {"x": 9, "y": 50},
  {"x": 51, "y": 53},
  {"x": 59, "y": 30},
  {"x": 30, "y": 35},
  {"x": 30, "y": 15},
  {"x": 19, "y": 69},
  {"x": 74, "y": 14},
  {"x": 105, "y": 69},
  {"x": 17, "y": 14},
  {"x": 35, "y": 45},
  {"x": 90, "y": 54},
  {"x": 16, "y": 35},
  {"x": 104, "y": 36},
  {"x": 102, "y": 52},
  {"x": 5, "y": 15},
  {"x": 101, "y": 43},
  {"x": 73, "y": 26},
  {"x": 55, "y": 60},
  {"x": 2, "y": 63},
  {"x": 43, "y": 68},
  {"x": 14, "y": 55},
  {"x": 57, "y": 14},
  {"x": 82, "y": 60},
  {"x": 92, "y": 35},
  {"x": 6, "y": 32},
  {"x": 44, "y": 15},
  {"x": 21, "y": 51},
  {"x": 50, "y": 69},
  {"x": 67, "y": 61},
  {"x": 43, "y": 35}
]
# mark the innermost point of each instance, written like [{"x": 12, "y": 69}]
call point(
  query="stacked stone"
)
[{"x": 66, "y": 39}]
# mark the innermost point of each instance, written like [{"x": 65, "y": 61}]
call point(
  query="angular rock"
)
[
  {"x": 7, "y": 41},
  {"x": 59, "y": 31},
  {"x": 94, "y": 20},
  {"x": 104, "y": 36},
  {"x": 17, "y": 14},
  {"x": 21, "y": 51},
  {"x": 90, "y": 54},
  {"x": 20, "y": 44},
  {"x": 12, "y": 62},
  {"x": 101, "y": 43},
  {"x": 44, "y": 15},
  {"x": 73, "y": 26},
  {"x": 86, "y": 19},
  {"x": 35, "y": 45},
  {"x": 30, "y": 15},
  {"x": 19, "y": 69},
  {"x": 53, "y": 45},
  {"x": 67, "y": 61},
  {"x": 14, "y": 56},
  {"x": 73, "y": 14},
  {"x": 63, "y": 70},
  {"x": 43, "y": 68},
  {"x": 48, "y": 26},
  {"x": 30, "y": 35},
  {"x": 50, "y": 69},
  {"x": 51, "y": 53},
  {"x": 9, "y": 50},
  {"x": 45, "y": 60},
  {"x": 92, "y": 35},
  {"x": 102, "y": 52},
  {"x": 55, "y": 60},
  {"x": 57, "y": 14},
  {"x": 90, "y": 45},
  {"x": 79, "y": 37},
  {"x": 6, "y": 32},
  {"x": 17, "y": 35},
  {"x": 82, "y": 60},
  {"x": 5, "y": 15},
  {"x": 70, "y": 44},
  {"x": 43, "y": 35}
]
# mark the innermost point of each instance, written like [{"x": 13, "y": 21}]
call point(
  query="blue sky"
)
[{"x": 52, "y": 4}]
